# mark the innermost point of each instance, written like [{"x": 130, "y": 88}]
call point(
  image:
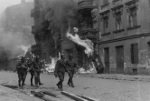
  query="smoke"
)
[
  {"x": 15, "y": 30},
  {"x": 61, "y": 12},
  {"x": 14, "y": 42}
]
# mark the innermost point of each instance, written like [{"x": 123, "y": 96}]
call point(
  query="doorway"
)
[
  {"x": 120, "y": 59},
  {"x": 106, "y": 59}
]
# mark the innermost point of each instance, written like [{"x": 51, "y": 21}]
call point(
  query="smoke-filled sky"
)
[
  {"x": 5, "y": 3},
  {"x": 15, "y": 27}
]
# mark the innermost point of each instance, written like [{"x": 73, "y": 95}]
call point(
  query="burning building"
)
[
  {"x": 52, "y": 25},
  {"x": 50, "y": 28}
]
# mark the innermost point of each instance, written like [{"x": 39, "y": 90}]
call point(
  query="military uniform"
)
[
  {"x": 41, "y": 63},
  {"x": 21, "y": 71},
  {"x": 59, "y": 71},
  {"x": 31, "y": 70},
  {"x": 36, "y": 69},
  {"x": 71, "y": 67}
]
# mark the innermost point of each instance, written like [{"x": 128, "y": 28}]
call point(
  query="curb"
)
[
  {"x": 76, "y": 98},
  {"x": 119, "y": 78}
]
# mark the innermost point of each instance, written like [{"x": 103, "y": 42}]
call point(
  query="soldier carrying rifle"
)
[
  {"x": 21, "y": 71},
  {"x": 72, "y": 68},
  {"x": 60, "y": 69}
]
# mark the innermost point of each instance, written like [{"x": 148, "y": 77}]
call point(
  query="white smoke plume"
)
[
  {"x": 15, "y": 43},
  {"x": 24, "y": 48},
  {"x": 85, "y": 43}
]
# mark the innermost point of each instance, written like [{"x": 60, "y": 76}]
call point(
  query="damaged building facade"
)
[
  {"x": 50, "y": 42},
  {"x": 125, "y": 36},
  {"x": 119, "y": 30}
]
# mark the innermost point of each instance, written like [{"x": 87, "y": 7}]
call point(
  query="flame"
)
[
  {"x": 50, "y": 67},
  {"x": 91, "y": 70},
  {"x": 85, "y": 43}
]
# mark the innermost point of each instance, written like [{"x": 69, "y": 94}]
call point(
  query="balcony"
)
[
  {"x": 35, "y": 12},
  {"x": 85, "y": 4},
  {"x": 89, "y": 33}
]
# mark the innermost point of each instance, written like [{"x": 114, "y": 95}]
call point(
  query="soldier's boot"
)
[
  {"x": 61, "y": 86},
  {"x": 19, "y": 83},
  {"x": 69, "y": 83},
  {"x": 72, "y": 85},
  {"x": 58, "y": 85},
  {"x": 31, "y": 81},
  {"x": 36, "y": 82},
  {"x": 40, "y": 80}
]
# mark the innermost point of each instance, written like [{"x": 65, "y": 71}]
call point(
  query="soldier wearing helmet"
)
[
  {"x": 21, "y": 71},
  {"x": 60, "y": 69},
  {"x": 71, "y": 67}
]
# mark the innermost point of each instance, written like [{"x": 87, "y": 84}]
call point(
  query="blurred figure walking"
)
[
  {"x": 21, "y": 71},
  {"x": 60, "y": 69},
  {"x": 72, "y": 68}
]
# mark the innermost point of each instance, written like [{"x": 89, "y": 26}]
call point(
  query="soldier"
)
[
  {"x": 20, "y": 68},
  {"x": 41, "y": 66},
  {"x": 71, "y": 67},
  {"x": 25, "y": 69},
  {"x": 31, "y": 70},
  {"x": 36, "y": 69},
  {"x": 60, "y": 69}
]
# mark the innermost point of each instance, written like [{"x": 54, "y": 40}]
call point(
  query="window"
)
[
  {"x": 132, "y": 7},
  {"x": 118, "y": 21},
  {"x": 105, "y": 24},
  {"x": 132, "y": 17},
  {"x": 105, "y": 19},
  {"x": 117, "y": 13},
  {"x": 134, "y": 53}
]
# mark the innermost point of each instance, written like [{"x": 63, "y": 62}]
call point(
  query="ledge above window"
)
[
  {"x": 105, "y": 34},
  {"x": 104, "y": 5},
  {"x": 118, "y": 31},
  {"x": 134, "y": 27}
]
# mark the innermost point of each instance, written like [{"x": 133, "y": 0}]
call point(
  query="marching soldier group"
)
[
  {"x": 34, "y": 66},
  {"x": 63, "y": 66}
]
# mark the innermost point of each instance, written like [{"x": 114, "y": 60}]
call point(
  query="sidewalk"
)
[
  {"x": 7, "y": 94},
  {"x": 145, "y": 78}
]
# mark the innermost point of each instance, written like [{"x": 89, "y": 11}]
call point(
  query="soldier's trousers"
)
[
  {"x": 70, "y": 80},
  {"x": 32, "y": 75},
  {"x": 39, "y": 73},
  {"x": 25, "y": 76},
  {"x": 61, "y": 79},
  {"x": 36, "y": 78},
  {"x": 21, "y": 77}
]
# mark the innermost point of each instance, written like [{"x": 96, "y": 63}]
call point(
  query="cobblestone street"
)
[{"x": 102, "y": 89}]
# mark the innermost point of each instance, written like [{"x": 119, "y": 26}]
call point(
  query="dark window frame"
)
[
  {"x": 134, "y": 53},
  {"x": 132, "y": 17}
]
